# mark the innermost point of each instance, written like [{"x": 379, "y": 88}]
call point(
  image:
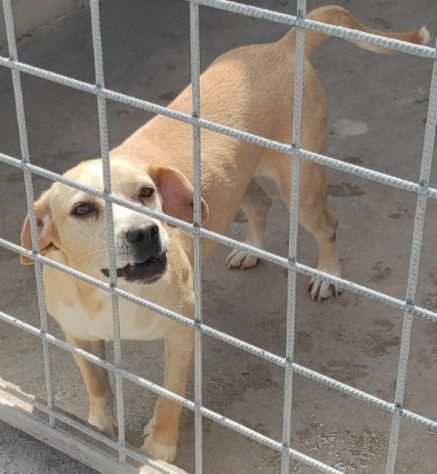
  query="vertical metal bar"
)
[
  {"x": 413, "y": 272},
  {"x": 109, "y": 220},
  {"x": 197, "y": 222},
  {"x": 299, "y": 64},
  {"x": 30, "y": 198}
]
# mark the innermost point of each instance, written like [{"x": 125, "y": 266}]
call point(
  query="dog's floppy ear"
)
[
  {"x": 46, "y": 229},
  {"x": 177, "y": 193}
]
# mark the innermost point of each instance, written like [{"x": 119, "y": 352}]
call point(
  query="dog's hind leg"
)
[
  {"x": 96, "y": 380},
  {"x": 255, "y": 205},
  {"x": 321, "y": 222},
  {"x": 318, "y": 220}
]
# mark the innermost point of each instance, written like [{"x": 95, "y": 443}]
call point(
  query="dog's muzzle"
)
[{"x": 143, "y": 245}]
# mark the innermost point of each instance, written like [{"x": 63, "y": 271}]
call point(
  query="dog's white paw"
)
[
  {"x": 154, "y": 449},
  {"x": 104, "y": 422},
  {"x": 321, "y": 290},
  {"x": 240, "y": 260},
  {"x": 159, "y": 451}
]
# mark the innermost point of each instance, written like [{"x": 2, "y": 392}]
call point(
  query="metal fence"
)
[{"x": 407, "y": 307}]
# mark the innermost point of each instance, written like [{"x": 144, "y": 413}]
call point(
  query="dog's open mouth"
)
[{"x": 148, "y": 271}]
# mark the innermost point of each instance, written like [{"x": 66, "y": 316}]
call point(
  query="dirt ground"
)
[{"x": 378, "y": 106}]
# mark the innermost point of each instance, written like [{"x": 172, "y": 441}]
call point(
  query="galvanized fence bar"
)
[
  {"x": 190, "y": 405},
  {"x": 331, "y": 30},
  {"x": 210, "y": 414},
  {"x": 221, "y": 239},
  {"x": 283, "y": 148},
  {"x": 30, "y": 196},
  {"x": 197, "y": 242},
  {"x": 280, "y": 362},
  {"x": 109, "y": 218},
  {"x": 413, "y": 271},
  {"x": 296, "y": 139}
]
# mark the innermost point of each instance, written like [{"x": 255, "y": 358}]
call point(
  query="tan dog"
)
[{"x": 249, "y": 88}]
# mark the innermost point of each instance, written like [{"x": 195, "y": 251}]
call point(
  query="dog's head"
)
[{"x": 73, "y": 222}]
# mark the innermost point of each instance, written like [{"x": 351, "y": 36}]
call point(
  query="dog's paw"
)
[
  {"x": 321, "y": 290},
  {"x": 104, "y": 423},
  {"x": 159, "y": 451},
  {"x": 155, "y": 449},
  {"x": 240, "y": 260}
]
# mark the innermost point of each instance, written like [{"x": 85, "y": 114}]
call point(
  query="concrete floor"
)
[{"x": 378, "y": 105}]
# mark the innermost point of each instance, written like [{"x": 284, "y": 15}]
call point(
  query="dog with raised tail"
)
[{"x": 249, "y": 88}]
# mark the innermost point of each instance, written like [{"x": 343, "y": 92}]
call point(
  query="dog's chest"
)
[
  {"x": 85, "y": 312},
  {"x": 136, "y": 322}
]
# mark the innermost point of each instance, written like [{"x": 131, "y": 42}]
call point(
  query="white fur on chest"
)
[
  {"x": 139, "y": 324},
  {"x": 136, "y": 322}
]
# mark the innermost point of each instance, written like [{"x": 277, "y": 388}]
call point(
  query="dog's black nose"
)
[{"x": 143, "y": 235}]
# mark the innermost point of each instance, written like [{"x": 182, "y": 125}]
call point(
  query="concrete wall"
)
[{"x": 31, "y": 14}]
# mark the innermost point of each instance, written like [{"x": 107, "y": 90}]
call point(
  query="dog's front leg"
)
[
  {"x": 101, "y": 414},
  {"x": 163, "y": 429}
]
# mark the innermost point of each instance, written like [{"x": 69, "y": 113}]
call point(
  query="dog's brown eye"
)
[
  {"x": 146, "y": 192},
  {"x": 83, "y": 209}
]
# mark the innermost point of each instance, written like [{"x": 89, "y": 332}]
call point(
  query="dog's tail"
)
[{"x": 339, "y": 16}]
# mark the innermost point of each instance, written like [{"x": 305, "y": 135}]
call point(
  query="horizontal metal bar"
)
[
  {"x": 88, "y": 431},
  {"x": 208, "y": 331},
  {"x": 266, "y": 441},
  {"x": 355, "y": 288},
  {"x": 247, "y": 137},
  {"x": 158, "y": 390},
  {"x": 281, "y": 261},
  {"x": 281, "y": 362},
  {"x": 265, "y": 255},
  {"x": 418, "y": 419},
  {"x": 189, "y": 228},
  {"x": 222, "y": 420},
  {"x": 54, "y": 264},
  {"x": 346, "y": 389},
  {"x": 331, "y": 30},
  {"x": 104, "y": 364},
  {"x": 268, "y": 356}
]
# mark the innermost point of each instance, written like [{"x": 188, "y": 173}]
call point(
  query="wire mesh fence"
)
[{"x": 407, "y": 307}]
